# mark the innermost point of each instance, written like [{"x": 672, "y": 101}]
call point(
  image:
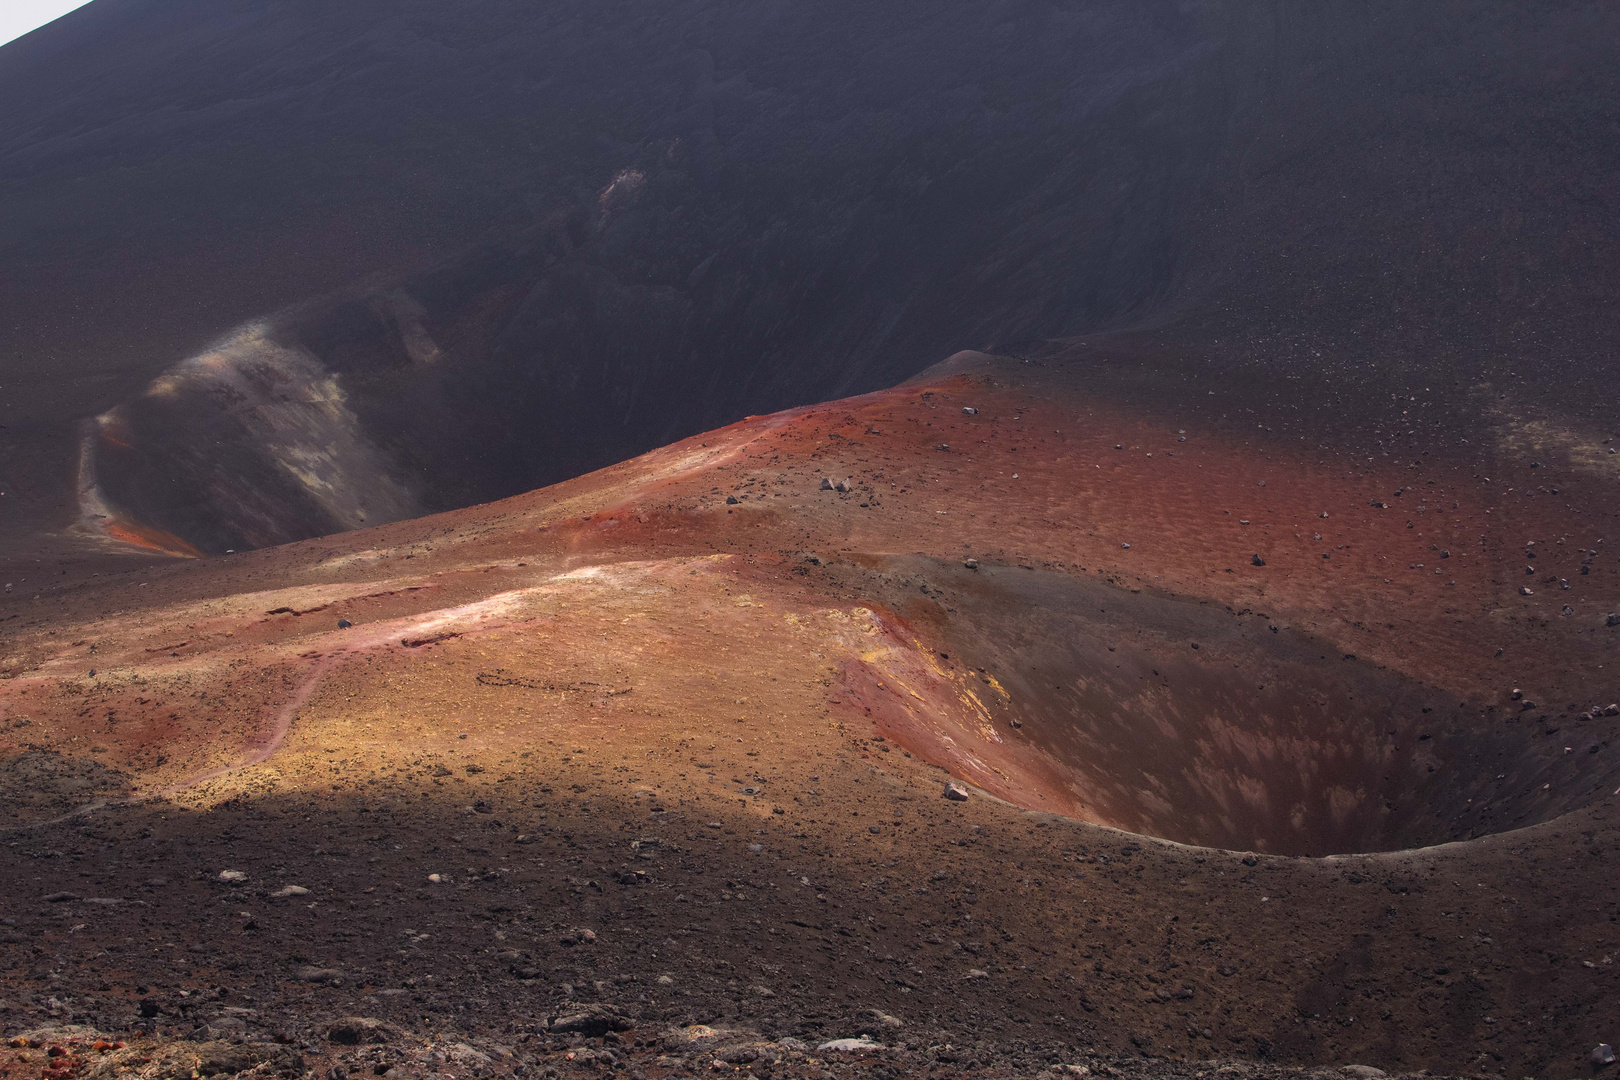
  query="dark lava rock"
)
[
  {"x": 361, "y": 1031},
  {"x": 591, "y": 1020},
  {"x": 313, "y": 974}
]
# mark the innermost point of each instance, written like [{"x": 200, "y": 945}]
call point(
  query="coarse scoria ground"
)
[{"x": 645, "y": 772}]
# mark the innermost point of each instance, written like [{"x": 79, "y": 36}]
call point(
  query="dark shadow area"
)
[
  {"x": 121, "y": 920},
  {"x": 40, "y": 785}
]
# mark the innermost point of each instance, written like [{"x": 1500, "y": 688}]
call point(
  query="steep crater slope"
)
[
  {"x": 695, "y": 211},
  {"x": 1185, "y": 720}
]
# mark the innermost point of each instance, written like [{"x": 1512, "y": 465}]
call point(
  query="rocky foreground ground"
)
[{"x": 362, "y": 1046}]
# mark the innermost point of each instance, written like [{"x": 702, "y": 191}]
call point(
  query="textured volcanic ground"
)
[
  {"x": 275, "y": 269},
  {"x": 1213, "y": 676},
  {"x": 666, "y": 746}
]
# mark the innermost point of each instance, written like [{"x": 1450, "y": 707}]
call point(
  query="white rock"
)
[
  {"x": 851, "y": 1045},
  {"x": 232, "y": 877},
  {"x": 290, "y": 890}
]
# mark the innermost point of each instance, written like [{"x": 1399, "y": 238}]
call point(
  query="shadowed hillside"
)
[{"x": 549, "y": 238}]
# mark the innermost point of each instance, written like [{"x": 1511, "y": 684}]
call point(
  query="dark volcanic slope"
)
[{"x": 599, "y": 226}]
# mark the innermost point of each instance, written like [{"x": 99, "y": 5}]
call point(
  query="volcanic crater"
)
[
  {"x": 712, "y": 695},
  {"x": 1186, "y": 720},
  {"x": 1209, "y": 662}
]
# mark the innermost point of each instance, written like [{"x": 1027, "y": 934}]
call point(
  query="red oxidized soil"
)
[{"x": 529, "y": 686}]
